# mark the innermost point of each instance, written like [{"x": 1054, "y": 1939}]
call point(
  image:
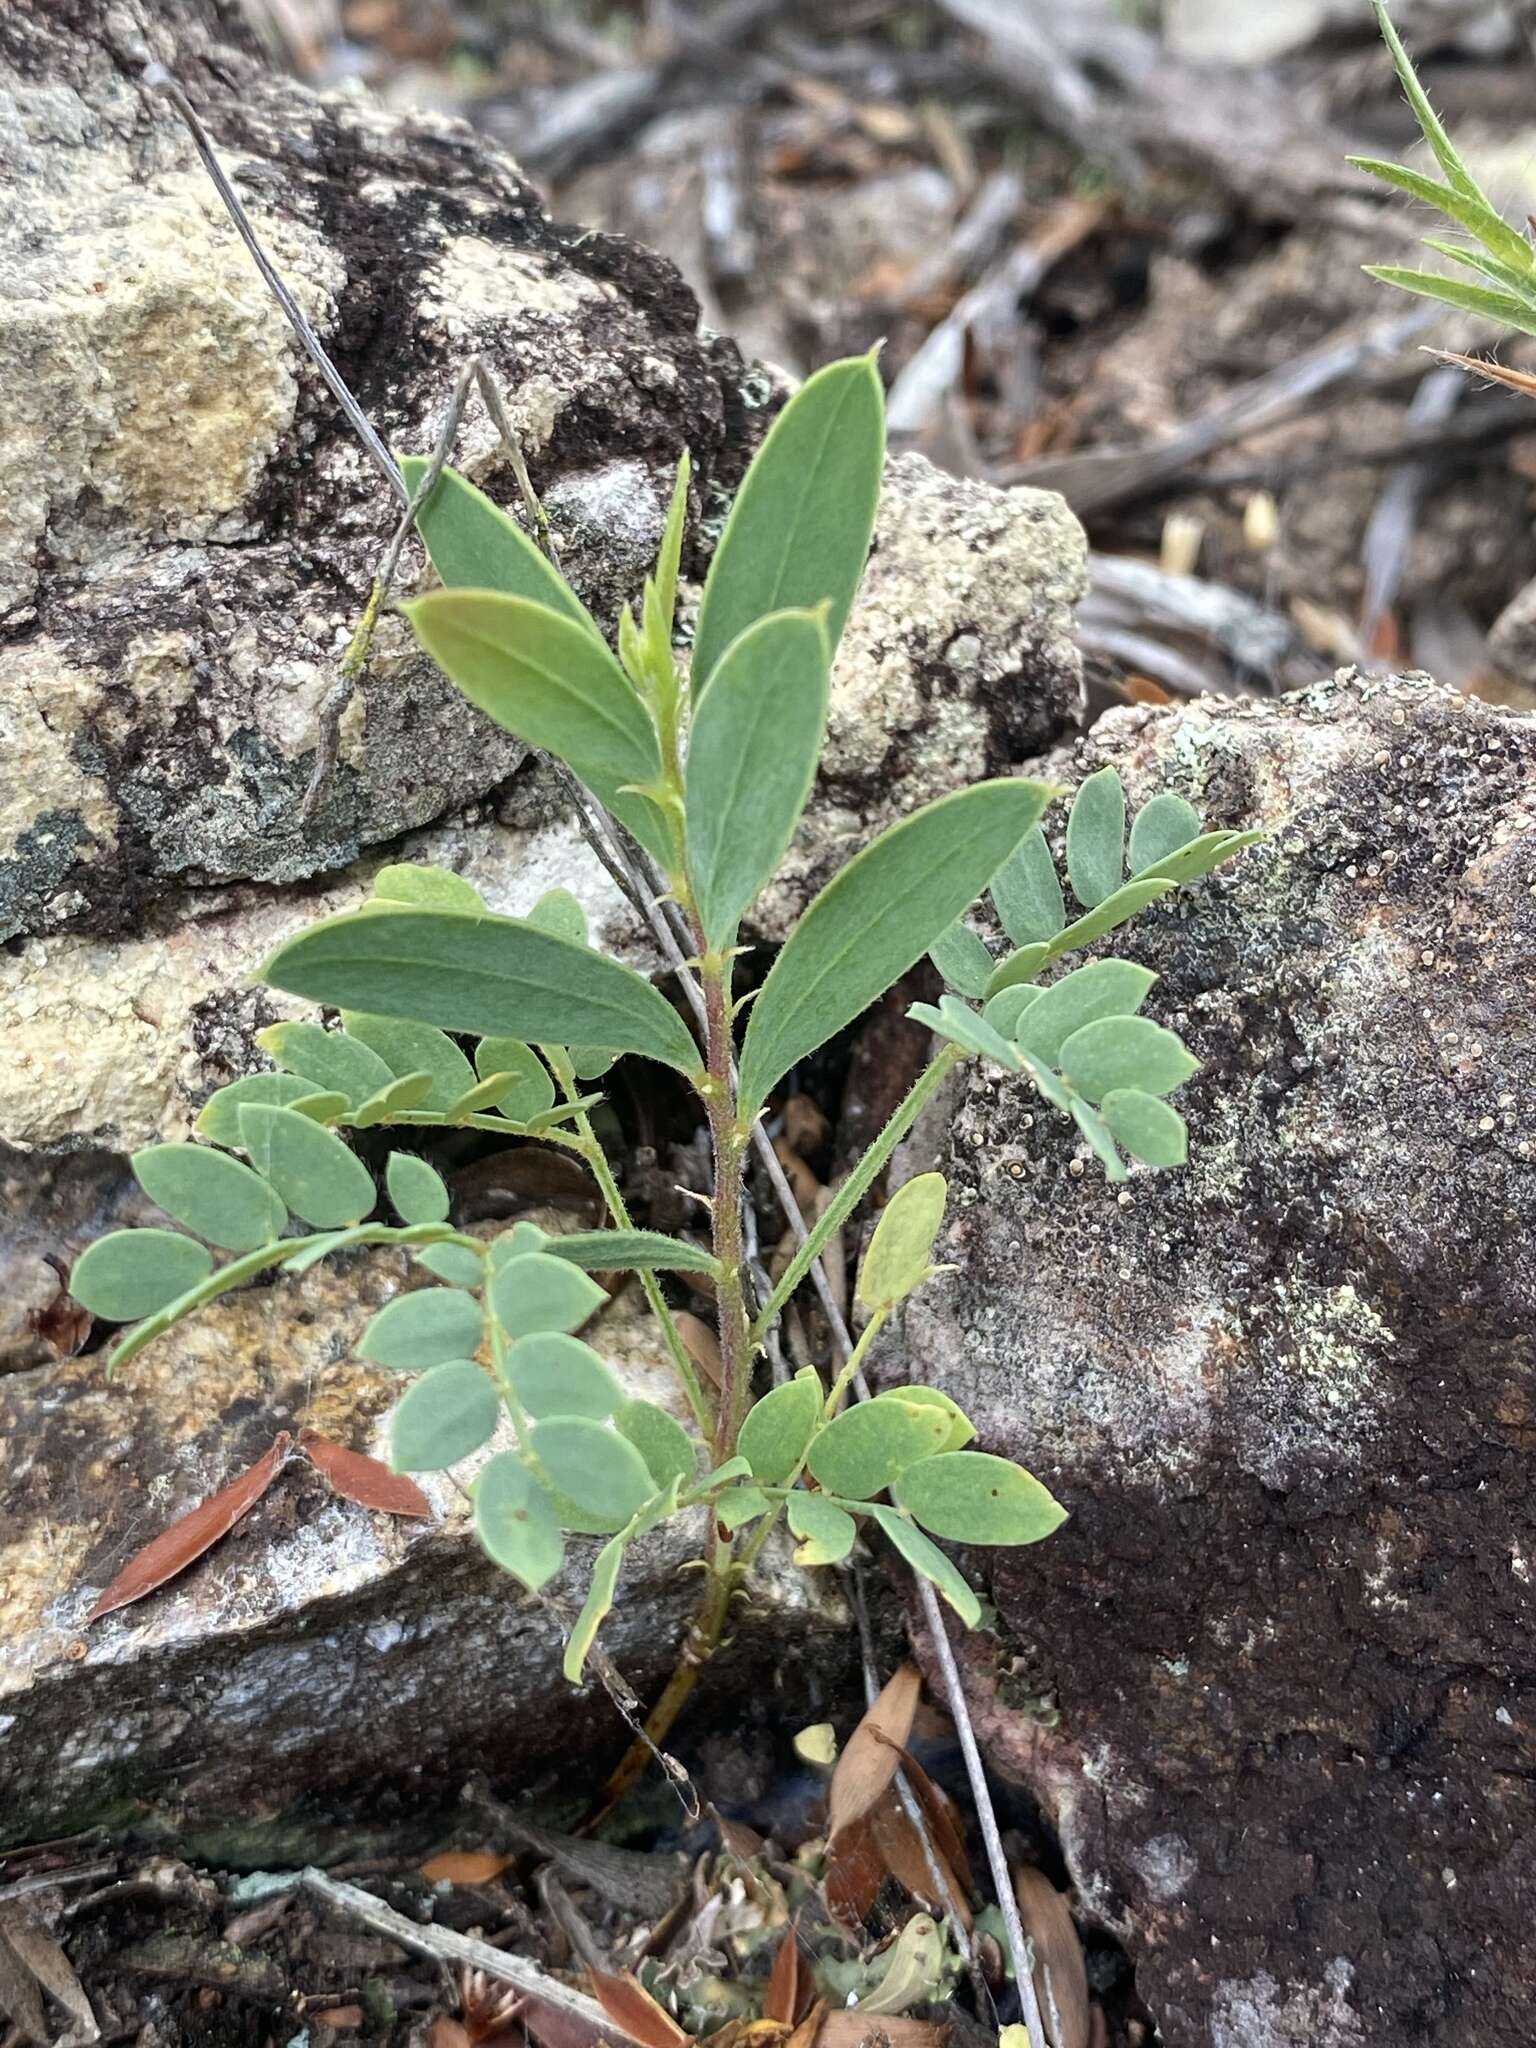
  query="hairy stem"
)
[
  {"x": 729, "y": 1148},
  {"x": 855, "y": 1187}
]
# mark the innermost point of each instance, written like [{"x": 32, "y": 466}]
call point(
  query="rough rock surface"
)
[
  {"x": 189, "y": 528},
  {"x": 1272, "y": 1681}
]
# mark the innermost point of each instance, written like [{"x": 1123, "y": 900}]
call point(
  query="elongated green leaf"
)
[
  {"x": 409, "y": 1092},
  {"x": 213, "y": 1195},
  {"x": 670, "y": 1453},
  {"x": 862, "y": 1450},
  {"x": 595, "y": 1468},
  {"x": 1503, "y": 307},
  {"x": 1468, "y": 209},
  {"x": 1150, "y": 1130},
  {"x": 876, "y": 919},
  {"x": 1100, "y": 1137},
  {"x": 475, "y": 545},
  {"x": 482, "y": 975},
  {"x": 963, "y": 960},
  {"x": 555, "y": 1374},
  {"x": 1005, "y": 1011},
  {"x": 800, "y": 528},
  {"x": 328, "y": 1060},
  {"x": 446, "y": 1415},
  {"x": 900, "y": 1255},
  {"x": 1027, "y": 892},
  {"x": 407, "y": 1048},
  {"x": 1018, "y": 970},
  {"x": 660, "y": 607},
  {"x": 967, "y": 1029},
  {"x": 972, "y": 1497},
  {"x": 1200, "y": 856},
  {"x": 427, "y": 1327},
  {"x": 530, "y": 1091},
  {"x": 1104, "y": 988},
  {"x": 418, "y": 1191},
  {"x": 595, "y": 1609},
  {"x": 132, "y": 1273},
  {"x": 739, "y": 1505},
  {"x": 538, "y": 1293},
  {"x": 1161, "y": 827},
  {"x": 926, "y": 1557},
  {"x": 718, "y": 1475},
  {"x": 631, "y": 1251},
  {"x": 1518, "y": 282},
  {"x": 515, "y": 1522},
  {"x": 553, "y": 684},
  {"x": 426, "y": 888},
  {"x": 1434, "y": 133},
  {"x": 1096, "y": 838},
  {"x": 455, "y": 1263},
  {"x": 1125, "y": 1052},
  {"x": 319, "y": 1179},
  {"x": 1113, "y": 912},
  {"x": 826, "y": 1532},
  {"x": 752, "y": 754},
  {"x": 219, "y": 1118},
  {"x": 563, "y": 1112},
  {"x": 778, "y": 1429},
  {"x": 961, "y": 1427}
]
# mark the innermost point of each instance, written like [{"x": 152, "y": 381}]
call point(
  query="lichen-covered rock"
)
[
  {"x": 320, "y": 1642},
  {"x": 188, "y": 527},
  {"x": 1272, "y": 1679}
]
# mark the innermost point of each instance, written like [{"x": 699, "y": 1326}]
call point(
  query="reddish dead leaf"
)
[
  {"x": 943, "y": 1821},
  {"x": 862, "y": 2030},
  {"x": 854, "y": 1873},
  {"x": 633, "y": 2010},
  {"x": 362, "y": 1479},
  {"x": 464, "y": 1866},
  {"x": 899, "y": 1843},
  {"x": 873, "y": 1751},
  {"x": 701, "y": 1345},
  {"x": 781, "y": 2001},
  {"x": 192, "y": 1533},
  {"x": 805, "y": 2034},
  {"x": 1061, "y": 1976}
]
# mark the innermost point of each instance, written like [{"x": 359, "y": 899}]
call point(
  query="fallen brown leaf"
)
[
  {"x": 872, "y": 1753},
  {"x": 943, "y": 1821},
  {"x": 701, "y": 1345},
  {"x": 781, "y": 2001},
  {"x": 365, "y": 1480},
  {"x": 1061, "y": 1976},
  {"x": 192, "y": 1533},
  {"x": 899, "y": 1842},
  {"x": 853, "y": 1875},
  {"x": 633, "y": 2010},
  {"x": 464, "y": 1866}
]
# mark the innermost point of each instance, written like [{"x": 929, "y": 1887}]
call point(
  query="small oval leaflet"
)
[
  {"x": 1017, "y": 970},
  {"x": 778, "y": 1429},
  {"x": 1104, "y": 988},
  {"x": 312, "y": 1170},
  {"x": 414, "y": 881},
  {"x": 529, "y": 1091},
  {"x": 962, "y": 958},
  {"x": 826, "y": 1532},
  {"x": 1149, "y": 1129},
  {"x": 1096, "y": 838},
  {"x": 418, "y": 1191},
  {"x": 1161, "y": 827},
  {"x": 1005, "y": 1011},
  {"x": 973, "y": 1497},
  {"x": 595, "y": 1468},
  {"x": 861, "y": 1451},
  {"x": 926, "y": 1557},
  {"x": 538, "y": 1292},
  {"x": 1026, "y": 893},
  {"x": 219, "y": 1198},
  {"x": 559, "y": 911},
  {"x": 901, "y": 1250},
  {"x": 739, "y": 1505},
  {"x": 219, "y": 1119},
  {"x": 667, "y": 1448},
  {"x": 331, "y": 1060},
  {"x": 455, "y": 1263},
  {"x": 446, "y": 1415},
  {"x": 961, "y": 1427},
  {"x": 132, "y": 1273},
  {"x": 553, "y": 1374},
  {"x": 425, "y": 1328},
  {"x": 515, "y": 1522},
  {"x": 407, "y": 1048},
  {"x": 1125, "y": 1052}
]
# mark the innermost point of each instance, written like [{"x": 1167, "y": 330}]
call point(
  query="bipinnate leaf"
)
[
  {"x": 667, "y": 1448},
  {"x": 426, "y": 1327},
  {"x": 961, "y": 1427},
  {"x": 1026, "y": 893},
  {"x": 800, "y": 528},
  {"x": 424, "y": 887},
  {"x": 418, "y": 1191},
  {"x": 878, "y": 917},
  {"x": 1096, "y": 838},
  {"x": 355, "y": 1476},
  {"x": 926, "y": 1557},
  {"x": 330, "y": 1060},
  {"x": 871, "y": 1756},
  {"x": 407, "y": 1048},
  {"x": 826, "y": 1532},
  {"x": 1159, "y": 828},
  {"x": 966, "y": 1028},
  {"x": 1104, "y": 988},
  {"x": 475, "y": 545},
  {"x": 1125, "y": 1052},
  {"x": 1150, "y": 1130},
  {"x": 489, "y": 976},
  {"x": 631, "y": 1251},
  {"x": 529, "y": 1090},
  {"x": 973, "y": 1497},
  {"x": 554, "y": 1374},
  {"x": 962, "y": 959},
  {"x": 752, "y": 753},
  {"x": 192, "y": 1533},
  {"x": 132, "y": 1273},
  {"x": 446, "y": 1415},
  {"x": 320, "y": 1180},
  {"x": 538, "y": 1293},
  {"x": 862, "y": 1450},
  {"x": 900, "y": 1255},
  {"x": 215, "y": 1196},
  {"x": 777, "y": 1430},
  {"x": 593, "y": 1467},
  {"x": 219, "y": 1119},
  {"x": 554, "y": 684},
  {"x": 515, "y": 1522}
]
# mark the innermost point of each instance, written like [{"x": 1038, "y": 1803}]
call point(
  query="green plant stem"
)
[{"x": 855, "y": 1187}]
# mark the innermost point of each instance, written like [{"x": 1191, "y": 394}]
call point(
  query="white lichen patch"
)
[{"x": 1260, "y": 2013}]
